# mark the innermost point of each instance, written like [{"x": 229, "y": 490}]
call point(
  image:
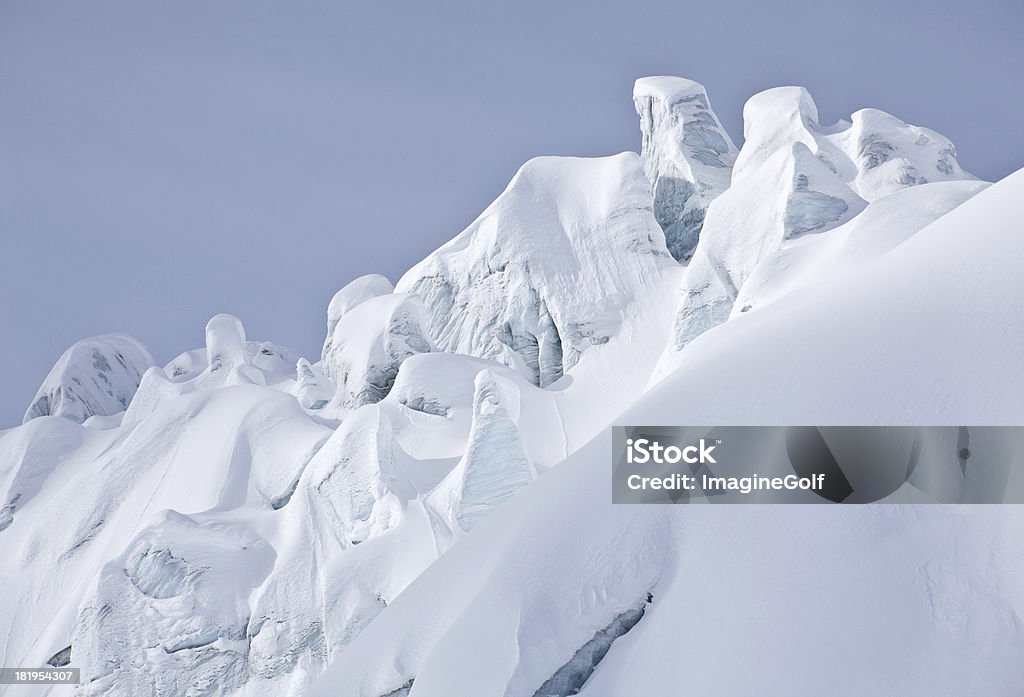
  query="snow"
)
[
  {"x": 495, "y": 465},
  {"x": 884, "y": 225},
  {"x": 225, "y": 343},
  {"x": 546, "y": 273},
  {"x": 918, "y": 337},
  {"x": 687, "y": 156},
  {"x": 355, "y": 292},
  {"x": 795, "y": 177},
  {"x": 312, "y": 388},
  {"x": 426, "y": 505},
  {"x": 746, "y": 598},
  {"x": 206, "y": 453},
  {"x": 369, "y": 343},
  {"x": 96, "y": 376},
  {"x": 874, "y": 153}
]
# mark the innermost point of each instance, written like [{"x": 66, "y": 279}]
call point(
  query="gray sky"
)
[{"x": 163, "y": 162}]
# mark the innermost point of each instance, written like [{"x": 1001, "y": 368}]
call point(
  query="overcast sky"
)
[{"x": 163, "y": 162}]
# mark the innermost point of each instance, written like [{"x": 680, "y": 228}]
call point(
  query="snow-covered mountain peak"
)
[
  {"x": 95, "y": 376},
  {"x": 547, "y": 270},
  {"x": 687, "y": 156}
]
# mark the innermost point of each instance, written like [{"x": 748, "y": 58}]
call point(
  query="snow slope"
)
[
  {"x": 760, "y": 600},
  {"x": 424, "y": 508}
]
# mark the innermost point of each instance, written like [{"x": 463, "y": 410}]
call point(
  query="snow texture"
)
[
  {"x": 795, "y": 177},
  {"x": 355, "y": 292},
  {"x": 495, "y": 466},
  {"x": 96, "y": 376},
  {"x": 368, "y": 344},
  {"x": 687, "y": 156},
  {"x": 547, "y": 272},
  {"x": 424, "y": 511}
]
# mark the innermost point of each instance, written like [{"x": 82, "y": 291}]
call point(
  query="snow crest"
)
[
  {"x": 687, "y": 156},
  {"x": 794, "y": 177},
  {"x": 547, "y": 272},
  {"x": 368, "y": 344},
  {"x": 95, "y": 377}
]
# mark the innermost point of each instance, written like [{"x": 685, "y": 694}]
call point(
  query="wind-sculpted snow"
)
[
  {"x": 425, "y": 510},
  {"x": 504, "y": 610},
  {"x": 549, "y": 270},
  {"x": 687, "y": 156},
  {"x": 29, "y": 455},
  {"x": 884, "y": 225},
  {"x": 875, "y": 153},
  {"x": 746, "y": 597},
  {"x": 355, "y": 292},
  {"x": 794, "y": 177},
  {"x": 495, "y": 465},
  {"x": 206, "y": 454},
  {"x": 312, "y": 389},
  {"x": 229, "y": 358},
  {"x": 96, "y": 376},
  {"x": 790, "y": 195},
  {"x": 367, "y": 347},
  {"x": 190, "y": 581}
]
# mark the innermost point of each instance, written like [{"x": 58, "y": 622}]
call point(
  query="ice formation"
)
[
  {"x": 547, "y": 272},
  {"x": 795, "y": 177},
  {"x": 495, "y": 465},
  {"x": 426, "y": 505},
  {"x": 369, "y": 343},
  {"x": 874, "y": 153},
  {"x": 96, "y": 376},
  {"x": 687, "y": 156}
]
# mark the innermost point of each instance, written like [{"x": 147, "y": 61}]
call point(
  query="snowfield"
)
[{"x": 425, "y": 508}]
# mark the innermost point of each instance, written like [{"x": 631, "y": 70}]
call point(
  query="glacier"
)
[{"x": 423, "y": 509}]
